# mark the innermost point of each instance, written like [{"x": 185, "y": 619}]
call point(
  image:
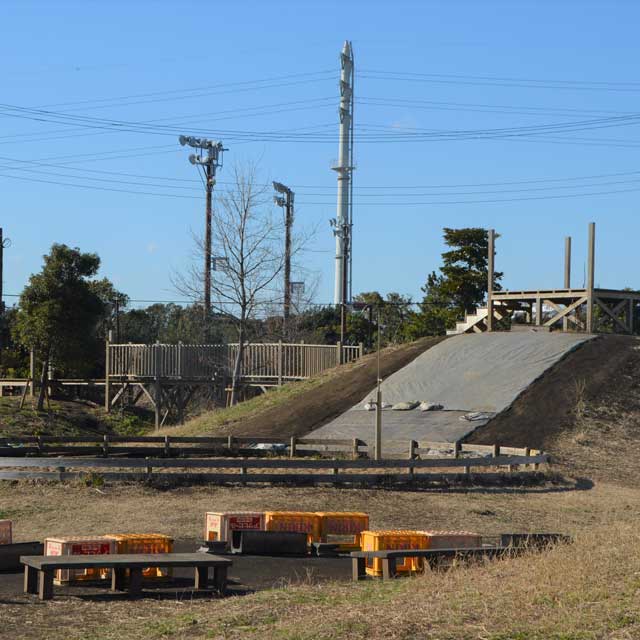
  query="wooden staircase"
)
[{"x": 476, "y": 322}]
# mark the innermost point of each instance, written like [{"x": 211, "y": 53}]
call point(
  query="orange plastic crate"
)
[
  {"x": 398, "y": 539},
  {"x": 144, "y": 543},
  {"x": 221, "y": 525},
  {"x": 5, "y": 532},
  {"x": 297, "y": 521},
  {"x": 344, "y": 527},
  {"x": 79, "y": 546}
]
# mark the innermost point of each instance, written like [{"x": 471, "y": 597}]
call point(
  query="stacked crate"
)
[
  {"x": 452, "y": 540},
  {"x": 396, "y": 540},
  {"x": 144, "y": 543},
  {"x": 343, "y": 527},
  {"x": 79, "y": 546},
  {"x": 5, "y": 532},
  {"x": 220, "y": 525},
  {"x": 294, "y": 521}
]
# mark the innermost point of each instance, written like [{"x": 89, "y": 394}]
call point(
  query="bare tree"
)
[{"x": 248, "y": 252}]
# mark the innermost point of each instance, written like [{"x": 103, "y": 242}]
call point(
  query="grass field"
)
[{"x": 587, "y": 590}]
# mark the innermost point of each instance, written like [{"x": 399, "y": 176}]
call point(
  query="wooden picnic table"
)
[{"x": 39, "y": 570}]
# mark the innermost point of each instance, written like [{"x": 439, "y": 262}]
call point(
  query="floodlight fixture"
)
[
  {"x": 281, "y": 202},
  {"x": 280, "y": 188}
]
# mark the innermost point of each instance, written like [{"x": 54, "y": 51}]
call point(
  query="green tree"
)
[
  {"x": 61, "y": 310},
  {"x": 460, "y": 286}
]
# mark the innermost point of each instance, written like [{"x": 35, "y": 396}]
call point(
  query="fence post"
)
[
  {"x": 149, "y": 469},
  {"x": 527, "y": 453},
  {"x": 355, "y": 451},
  {"x": 167, "y": 447},
  {"x": 105, "y": 446},
  {"x": 292, "y": 449},
  {"x": 158, "y": 386},
  {"x": 457, "y": 447},
  {"x": 360, "y": 350},
  {"x": 280, "y": 363},
  {"x": 413, "y": 445},
  {"x": 338, "y": 353},
  {"x": 229, "y": 442},
  {"x": 107, "y": 388}
]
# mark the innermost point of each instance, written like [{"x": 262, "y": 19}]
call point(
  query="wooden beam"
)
[
  {"x": 610, "y": 313},
  {"x": 566, "y": 311}
]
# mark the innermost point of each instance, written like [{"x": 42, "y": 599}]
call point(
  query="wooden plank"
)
[
  {"x": 270, "y": 463},
  {"x": 286, "y": 478}
]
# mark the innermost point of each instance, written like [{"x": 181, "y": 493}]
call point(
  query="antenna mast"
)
[{"x": 343, "y": 222}]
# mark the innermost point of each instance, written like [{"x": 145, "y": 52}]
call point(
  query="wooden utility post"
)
[
  {"x": 378, "y": 434},
  {"x": 490, "y": 268},
  {"x": 567, "y": 274},
  {"x": 591, "y": 264},
  {"x": 287, "y": 257},
  {"x": 107, "y": 387}
]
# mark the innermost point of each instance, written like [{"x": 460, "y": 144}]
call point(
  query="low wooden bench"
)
[
  {"x": 432, "y": 556},
  {"x": 39, "y": 570}
]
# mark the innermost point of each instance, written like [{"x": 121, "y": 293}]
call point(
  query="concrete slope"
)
[{"x": 466, "y": 373}]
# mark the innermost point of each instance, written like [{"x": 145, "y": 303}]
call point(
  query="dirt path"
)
[{"x": 328, "y": 400}]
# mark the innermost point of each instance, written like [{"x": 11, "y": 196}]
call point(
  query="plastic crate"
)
[
  {"x": 452, "y": 539},
  {"x": 144, "y": 543},
  {"x": 79, "y": 546},
  {"x": 400, "y": 539},
  {"x": 343, "y": 527},
  {"x": 220, "y": 525},
  {"x": 5, "y": 532},
  {"x": 296, "y": 521}
]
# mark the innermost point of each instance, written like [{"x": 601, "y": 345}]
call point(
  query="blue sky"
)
[{"x": 225, "y": 69}]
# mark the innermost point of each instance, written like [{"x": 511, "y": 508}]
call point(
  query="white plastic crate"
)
[
  {"x": 79, "y": 546},
  {"x": 220, "y": 525}
]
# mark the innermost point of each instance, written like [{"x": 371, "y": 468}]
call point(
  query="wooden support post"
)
[
  {"x": 167, "y": 447},
  {"x": 280, "y": 363},
  {"x": 107, "y": 388},
  {"x": 355, "y": 452},
  {"x": 201, "y": 578},
  {"x": 591, "y": 265},
  {"x": 457, "y": 448},
  {"x": 135, "y": 581},
  {"x": 105, "y": 446},
  {"x": 292, "y": 448},
  {"x": 32, "y": 373},
  {"x": 45, "y": 584},
  {"x": 30, "y": 579},
  {"x": 538, "y": 312},
  {"x": 338, "y": 352},
  {"x": 413, "y": 445},
  {"x": 157, "y": 386},
  {"x": 630, "y": 315},
  {"x": 229, "y": 442},
  {"x": 567, "y": 274},
  {"x": 360, "y": 349},
  {"x": 490, "y": 277}
]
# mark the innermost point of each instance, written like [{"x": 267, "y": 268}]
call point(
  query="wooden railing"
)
[
  {"x": 177, "y": 446},
  {"x": 276, "y": 362},
  {"x": 237, "y": 471}
]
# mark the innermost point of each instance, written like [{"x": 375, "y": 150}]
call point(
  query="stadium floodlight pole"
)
[
  {"x": 210, "y": 163},
  {"x": 287, "y": 203}
]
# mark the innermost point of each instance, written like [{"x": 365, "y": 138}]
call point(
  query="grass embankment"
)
[
  {"x": 69, "y": 418},
  {"x": 584, "y": 591}
]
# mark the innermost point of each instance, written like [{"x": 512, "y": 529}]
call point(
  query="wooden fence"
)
[
  {"x": 177, "y": 446},
  {"x": 276, "y": 362},
  {"x": 243, "y": 471}
]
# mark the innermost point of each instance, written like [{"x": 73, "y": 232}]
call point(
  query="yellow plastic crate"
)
[
  {"x": 398, "y": 539},
  {"x": 343, "y": 527},
  {"x": 296, "y": 521},
  {"x": 144, "y": 543},
  {"x": 79, "y": 546}
]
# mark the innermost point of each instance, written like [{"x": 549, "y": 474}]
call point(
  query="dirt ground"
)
[{"x": 585, "y": 411}]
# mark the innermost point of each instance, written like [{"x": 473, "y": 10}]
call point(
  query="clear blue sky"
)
[{"x": 556, "y": 63}]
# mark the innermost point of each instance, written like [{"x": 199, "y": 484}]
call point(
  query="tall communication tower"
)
[{"x": 343, "y": 223}]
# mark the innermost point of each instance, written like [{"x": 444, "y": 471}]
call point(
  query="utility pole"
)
[
  {"x": 287, "y": 203},
  {"x": 4, "y": 243},
  {"x": 378, "y": 434},
  {"x": 343, "y": 223},
  {"x": 209, "y": 164}
]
